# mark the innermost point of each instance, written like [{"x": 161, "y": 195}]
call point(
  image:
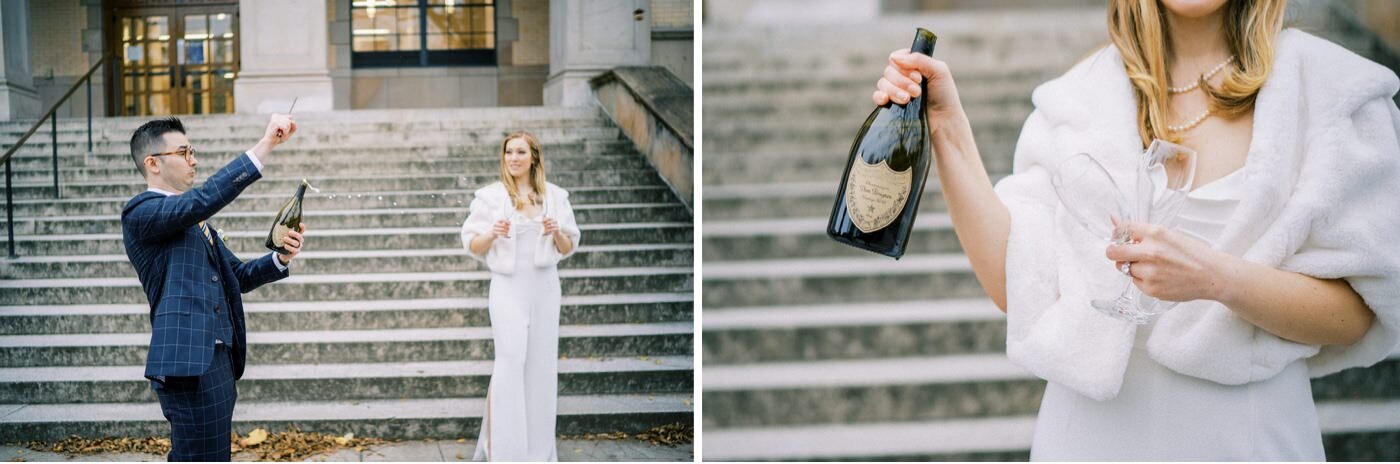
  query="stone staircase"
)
[
  {"x": 817, "y": 351},
  {"x": 382, "y": 330}
]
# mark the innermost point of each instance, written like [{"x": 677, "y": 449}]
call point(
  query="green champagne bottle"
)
[
  {"x": 885, "y": 174},
  {"x": 288, "y": 219}
]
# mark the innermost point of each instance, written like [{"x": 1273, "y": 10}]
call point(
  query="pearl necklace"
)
[
  {"x": 1206, "y": 76},
  {"x": 1190, "y": 125},
  {"x": 1202, "y": 117}
]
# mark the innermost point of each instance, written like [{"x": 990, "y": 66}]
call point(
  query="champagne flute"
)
[
  {"x": 1091, "y": 196},
  {"x": 1094, "y": 200},
  {"x": 1164, "y": 176},
  {"x": 1174, "y": 168}
]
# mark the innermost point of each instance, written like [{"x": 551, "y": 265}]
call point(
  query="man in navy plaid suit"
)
[{"x": 194, "y": 283}]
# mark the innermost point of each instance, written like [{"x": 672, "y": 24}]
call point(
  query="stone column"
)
[
  {"x": 284, "y": 55},
  {"x": 18, "y": 99},
  {"x": 589, "y": 37}
]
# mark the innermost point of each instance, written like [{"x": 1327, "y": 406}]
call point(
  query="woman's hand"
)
[
  {"x": 500, "y": 229},
  {"x": 900, "y": 83},
  {"x": 561, "y": 240},
  {"x": 551, "y": 226},
  {"x": 981, "y": 220},
  {"x": 1170, "y": 265}
]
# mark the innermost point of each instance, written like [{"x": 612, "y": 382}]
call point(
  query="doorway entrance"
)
[{"x": 174, "y": 59}]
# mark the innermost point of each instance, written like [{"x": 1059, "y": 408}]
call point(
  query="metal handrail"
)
[{"x": 53, "y": 121}]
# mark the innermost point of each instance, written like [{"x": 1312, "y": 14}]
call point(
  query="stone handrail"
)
[{"x": 656, "y": 111}]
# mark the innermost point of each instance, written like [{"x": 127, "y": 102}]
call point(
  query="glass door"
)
[
  {"x": 178, "y": 60},
  {"x": 146, "y": 69}
]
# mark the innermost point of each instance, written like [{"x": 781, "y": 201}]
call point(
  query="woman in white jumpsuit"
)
[{"x": 521, "y": 235}]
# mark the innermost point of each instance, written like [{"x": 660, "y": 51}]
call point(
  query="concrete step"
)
[
  {"x": 368, "y": 152},
  {"x": 318, "y": 216},
  {"x": 778, "y": 92},
  {"x": 832, "y": 332},
  {"x": 819, "y": 137},
  {"x": 417, "y": 118},
  {"x": 362, "y": 200},
  {"x": 116, "y": 129},
  {"x": 397, "y": 238},
  {"x": 838, "y": 280},
  {"x": 941, "y": 389},
  {"x": 868, "y": 390},
  {"x": 77, "y": 154},
  {"x": 977, "y": 55},
  {"x": 381, "y": 164},
  {"x": 333, "y": 262},
  {"x": 473, "y": 142},
  {"x": 764, "y": 239},
  {"x": 1352, "y": 430},
  {"x": 393, "y": 419},
  {"x": 804, "y": 163},
  {"x": 355, "y": 381},
  {"x": 793, "y": 200},
  {"x": 331, "y": 183},
  {"x": 399, "y": 285},
  {"x": 353, "y": 346},
  {"x": 425, "y": 313}
]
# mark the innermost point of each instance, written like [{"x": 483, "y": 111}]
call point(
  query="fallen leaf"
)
[
  {"x": 461, "y": 440},
  {"x": 255, "y": 437},
  {"x": 459, "y": 456}
]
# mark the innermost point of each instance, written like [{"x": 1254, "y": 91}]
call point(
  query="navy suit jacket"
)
[{"x": 188, "y": 282}]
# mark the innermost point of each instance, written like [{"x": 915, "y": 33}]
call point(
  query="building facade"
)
[{"x": 255, "y": 56}]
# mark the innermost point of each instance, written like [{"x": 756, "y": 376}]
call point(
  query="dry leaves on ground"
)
[
  {"x": 667, "y": 435},
  {"x": 295, "y": 445},
  {"x": 597, "y": 436},
  {"x": 678, "y": 433},
  {"x": 75, "y": 445},
  {"x": 291, "y": 445}
]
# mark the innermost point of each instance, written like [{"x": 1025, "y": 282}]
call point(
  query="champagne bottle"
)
[
  {"x": 288, "y": 219},
  {"x": 884, "y": 179}
]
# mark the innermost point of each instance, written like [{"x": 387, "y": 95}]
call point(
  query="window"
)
[{"x": 401, "y": 33}]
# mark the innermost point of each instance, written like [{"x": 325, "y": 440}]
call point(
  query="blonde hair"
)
[
  {"x": 1139, "y": 29},
  {"x": 536, "y": 171}
]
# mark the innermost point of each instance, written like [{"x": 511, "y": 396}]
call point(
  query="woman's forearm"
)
[
  {"x": 481, "y": 243},
  {"x": 562, "y": 243},
  {"x": 979, "y": 217},
  {"x": 1294, "y": 306}
]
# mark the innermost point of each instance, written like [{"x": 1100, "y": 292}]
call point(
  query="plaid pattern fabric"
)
[
  {"x": 188, "y": 282},
  {"x": 200, "y": 411}
]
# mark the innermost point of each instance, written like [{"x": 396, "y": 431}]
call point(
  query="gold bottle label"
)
[
  {"x": 876, "y": 194},
  {"x": 279, "y": 233}
]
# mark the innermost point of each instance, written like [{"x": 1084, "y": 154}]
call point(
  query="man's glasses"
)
[{"x": 186, "y": 151}]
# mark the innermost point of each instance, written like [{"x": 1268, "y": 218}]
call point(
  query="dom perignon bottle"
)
[
  {"x": 288, "y": 219},
  {"x": 884, "y": 179}
]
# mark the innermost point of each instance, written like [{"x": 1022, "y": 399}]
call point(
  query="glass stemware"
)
[{"x": 1164, "y": 176}]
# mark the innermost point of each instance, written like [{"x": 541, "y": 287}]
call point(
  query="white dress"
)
[
  {"x": 1161, "y": 415},
  {"x": 524, "y": 306}
]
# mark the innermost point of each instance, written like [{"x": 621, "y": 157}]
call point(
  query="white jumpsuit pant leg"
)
[{"x": 522, "y": 403}]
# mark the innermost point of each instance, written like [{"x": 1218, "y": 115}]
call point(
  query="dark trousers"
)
[{"x": 200, "y": 410}]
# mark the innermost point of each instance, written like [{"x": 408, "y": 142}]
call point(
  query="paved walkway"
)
[{"x": 432, "y": 451}]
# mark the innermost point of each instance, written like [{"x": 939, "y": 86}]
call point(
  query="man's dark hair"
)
[{"x": 150, "y": 139}]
